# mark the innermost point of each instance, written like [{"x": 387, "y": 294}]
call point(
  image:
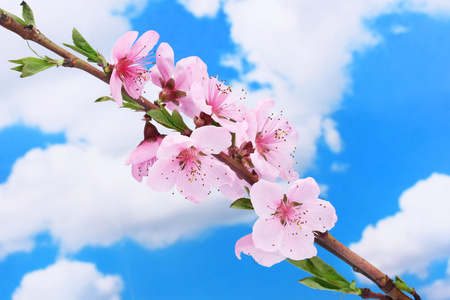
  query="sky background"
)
[{"x": 366, "y": 82}]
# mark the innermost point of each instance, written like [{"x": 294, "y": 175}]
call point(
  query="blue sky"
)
[{"x": 367, "y": 85}]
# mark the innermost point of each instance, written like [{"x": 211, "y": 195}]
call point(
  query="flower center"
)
[
  {"x": 190, "y": 162},
  {"x": 287, "y": 212},
  {"x": 270, "y": 136}
]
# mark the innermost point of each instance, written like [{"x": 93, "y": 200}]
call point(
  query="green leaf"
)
[
  {"x": 319, "y": 284},
  {"x": 83, "y": 47},
  {"x": 104, "y": 98},
  {"x": 161, "y": 117},
  {"x": 30, "y": 65},
  {"x": 81, "y": 42},
  {"x": 316, "y": 266},
  {"x": 35, "y": 67},
  {"x": 132, "y": 105},
  {"x": 27, "y": 13},
  {"x": 91, "y": 58},
  {"x": 402, "y": 285},
  {"x": 242, "y": 203},
  {"x": 178, "y": 120}
]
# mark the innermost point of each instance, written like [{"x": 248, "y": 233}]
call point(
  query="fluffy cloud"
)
[
  {"x": 69, "y": 280},
  {"x": 417, "y": 233},
  {"x": 300, "y": 52},
  {"x": 202, "y": 8},
  {"x": 439, "y": 289},
  {"x": 82, "y": 197}
]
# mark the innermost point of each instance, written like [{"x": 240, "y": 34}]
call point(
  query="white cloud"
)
[
  {"x": 202, "y": 8},
  {"x": 302, "y": 50},
  {"x": 82, "y": 197},
  {"x": 339, "y": 167},
  {"x": 439, "y": 289},
  {"x": 331, "y": 135},
  {"x": 417, "y": 233},
  {"x": 69, "y": 280},
  {"x": 399, "y": 29}
]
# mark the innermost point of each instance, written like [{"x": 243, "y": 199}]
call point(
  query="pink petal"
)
[
  {"x": 198, "y": 95},
  {"x": 266, "y": 197},
  {"x": 172, "y": 145},
  {"x": 303, "y": 190},
  {"x": 144, "y": 152},
  {"x": 267, "y": 259},
  {"x": 165, "y": 61},
  {"x": 115, "y": 85},
  {"x": 263, "y": 165},
  {"x": 244, "y": 244},
  {"x": 162, "y": 175},
  {"x": 140, "y": 170},
  {"x": 189, "y": 71},
  {"x": 122, "y": 46},
  {"x": 155, "y": 75},
  {"x": 268, "y": 234},
  {"x": 211, "y": 139},
  {"x": 144, "y": 44},
  {"x": 263, "y": 109},
  {"x": 264, "y": 258},
  {"x": 321, "y": 215},
  {"x": 135, "y": 85},
  {"x": 217, "y": 174},
  {"x": 297, "y": 243},
  {"x": 193, "y": 188}
]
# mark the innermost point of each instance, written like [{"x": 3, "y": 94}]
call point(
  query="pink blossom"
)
[
  {"x": 287, "y": 221},
  {"x": 274, "y": 138},
  {"x": 176, "y": 81},
  {"x": 264, "y": 258},
  {"x": 128, "y": 62},
  {"x": 143, "y": 157},
  {"x": 217, "y": 100},
  {"x": 187, "y": 163}
]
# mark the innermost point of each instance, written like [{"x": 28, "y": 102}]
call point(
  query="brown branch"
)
[{"x": 368, "y": 294}]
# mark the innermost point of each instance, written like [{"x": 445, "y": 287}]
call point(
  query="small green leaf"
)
[
  {"x": 91, "y": 58},
  {"x": 83, "y": 47},
  {"x": 242, "y": 203},
  {"x": 27, "y": 13},
  {"x": 132, "y": 105},
  {"x": 160, "y": 117},
  {"x": 402, "y": 285},
  {"x": 30, "y": 65},
  {"x": 178, "y": 120},
  {"x": 18, "y": 68},
  {"x": 316, "y": 266},
  {"x": 319, "y": 284},
  {"x": 32, "y": 68},
  {"x": 81, "y": 42},
  {"x": 104, "y": 98}
]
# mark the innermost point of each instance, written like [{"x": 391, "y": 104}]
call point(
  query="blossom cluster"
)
[{"x": 257, "y": 139}]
